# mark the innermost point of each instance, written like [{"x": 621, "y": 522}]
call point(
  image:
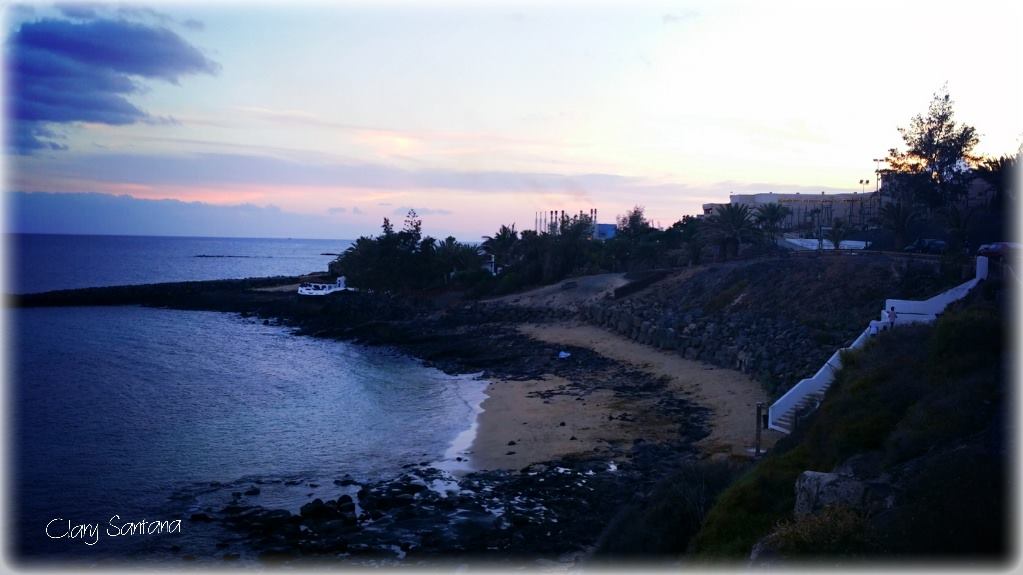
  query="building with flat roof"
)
[{"x": 857, "y": 209}]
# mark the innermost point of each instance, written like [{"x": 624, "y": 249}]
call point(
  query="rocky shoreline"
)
[
  {"x": 553, "y": 510},
  {"x": 547, "y": 511}
]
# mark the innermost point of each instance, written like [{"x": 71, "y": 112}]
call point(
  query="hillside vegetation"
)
[
  {"x": 917, "y": 421},
  {"x": 909, "y": 450}
]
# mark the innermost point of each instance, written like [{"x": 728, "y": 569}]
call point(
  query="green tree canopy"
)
[
  {"x": 501, "y": 245},
  {"x": 634, "y": 222},
  {"x": 770, "y": 216},
  {"x": 730, "y": 225},
  {"x": 939, "y": 152}
]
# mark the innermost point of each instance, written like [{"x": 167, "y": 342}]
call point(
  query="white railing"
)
[
  {"x": 806, "y": 387},
  {"x": 907, "y": 312}
]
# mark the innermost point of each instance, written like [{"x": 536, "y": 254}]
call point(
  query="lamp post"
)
[
  {"x": 877, "y": 172},
  {"x": 877, "y": 179},
  {"x": 863, "y": 188}
]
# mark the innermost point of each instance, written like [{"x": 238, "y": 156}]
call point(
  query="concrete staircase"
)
[
  {"x": 807, "y": 404},
  {"x": 809, "y": 393}
]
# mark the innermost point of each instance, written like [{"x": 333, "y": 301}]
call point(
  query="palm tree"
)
[
  {"x": 838, "y": 232},
  {"x": 731, "y": 224},
  {"x": 998, "y": 173},
  {"x": 501, "y": 244},
  {"x": 770, "y": 216},
  {"x": 957, "y": 220},
  {"x": 897, "y": 217}
]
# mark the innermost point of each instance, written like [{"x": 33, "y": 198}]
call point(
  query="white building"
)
[{"x": 856, "y": 209}]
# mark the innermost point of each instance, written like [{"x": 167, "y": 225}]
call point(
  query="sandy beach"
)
[
  {"x": 531, "y": 421},
  {"x": 522, "y": 421}
]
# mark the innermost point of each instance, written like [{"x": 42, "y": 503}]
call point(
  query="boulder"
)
[
  {"x": 816, "y": 490},
  {"x": 317, "y": 509}
]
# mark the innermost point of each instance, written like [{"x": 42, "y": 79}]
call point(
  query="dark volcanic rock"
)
[
  {"x": 544, "y": 511},
  {"x": 317, "y": 509}
]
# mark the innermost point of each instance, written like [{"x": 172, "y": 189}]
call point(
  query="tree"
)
[
  {"x": 769, "y": 217},
  {"x": 633, "y": 223},
  {"x": 405, "y": 261},
  {"x": 957, "y": 221},
  {"x": 411, "y": 233},
  {"x": 998, "y": 173},
  {"x": 501, "y": 245},
  {"x": 838, "y": 232},
  {"x": 691, "y": 235},
  {"x": 730, "y": 224},
  {"x": 897, "y": 216},
  {"x": 939, "y": 149}
]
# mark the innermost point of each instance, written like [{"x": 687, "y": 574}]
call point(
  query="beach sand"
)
[
  {"x": 530, "y": 415},
  {"x": 517, "y": 411}
]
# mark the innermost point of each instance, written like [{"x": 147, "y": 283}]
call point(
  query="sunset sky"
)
[{"x": 321, "y": 119}]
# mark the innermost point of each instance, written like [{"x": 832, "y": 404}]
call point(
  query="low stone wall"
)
[
  {"x": 777, "y": 319},
  {"x": 773, "y": 350}
]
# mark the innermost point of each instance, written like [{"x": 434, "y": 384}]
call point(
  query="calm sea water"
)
[
  {"x": 156, "y": 414},
  {"x": 43, "y": 262}
]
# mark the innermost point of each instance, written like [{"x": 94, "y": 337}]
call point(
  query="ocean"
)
[
  {"x": 44, "y": 262},
  {"x": 156, "y": 414}
]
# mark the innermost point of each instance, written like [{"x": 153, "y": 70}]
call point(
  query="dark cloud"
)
[
  {"x": 115, "y": 46},
  {"x": 31, "y": 136},
  {"x": 65, "y": 71},
  {"x": 357, "y": 211},
  {"x": 423, "y": 211}
]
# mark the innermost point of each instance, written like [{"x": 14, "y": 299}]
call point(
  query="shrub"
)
[
  {"x": 834, "y": 532},
  {"x": 910, "y": 392},
  {"x": 671, "y": 515}
]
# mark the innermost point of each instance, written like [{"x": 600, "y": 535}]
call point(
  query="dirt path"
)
[
  {"x": 568, "y": 294},
  {"x": 731, "y": 395}
]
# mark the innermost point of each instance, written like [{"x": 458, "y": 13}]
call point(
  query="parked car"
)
[
  {"x": 998, "y": 250},
  {"x": 926, "y": 246}
]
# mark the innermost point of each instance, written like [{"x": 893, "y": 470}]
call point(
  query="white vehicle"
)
[{"x": 322, "y": 289}]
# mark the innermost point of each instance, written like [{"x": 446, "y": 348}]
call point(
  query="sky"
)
[{"x": 320, "y": 119}]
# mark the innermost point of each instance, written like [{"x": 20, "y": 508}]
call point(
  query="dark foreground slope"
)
[{"x": 909, "y": 449}]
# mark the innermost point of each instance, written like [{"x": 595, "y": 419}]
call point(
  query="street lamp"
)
[
  {"x": 863, "y": 185},
  {"x": 877, "y": 176}
]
